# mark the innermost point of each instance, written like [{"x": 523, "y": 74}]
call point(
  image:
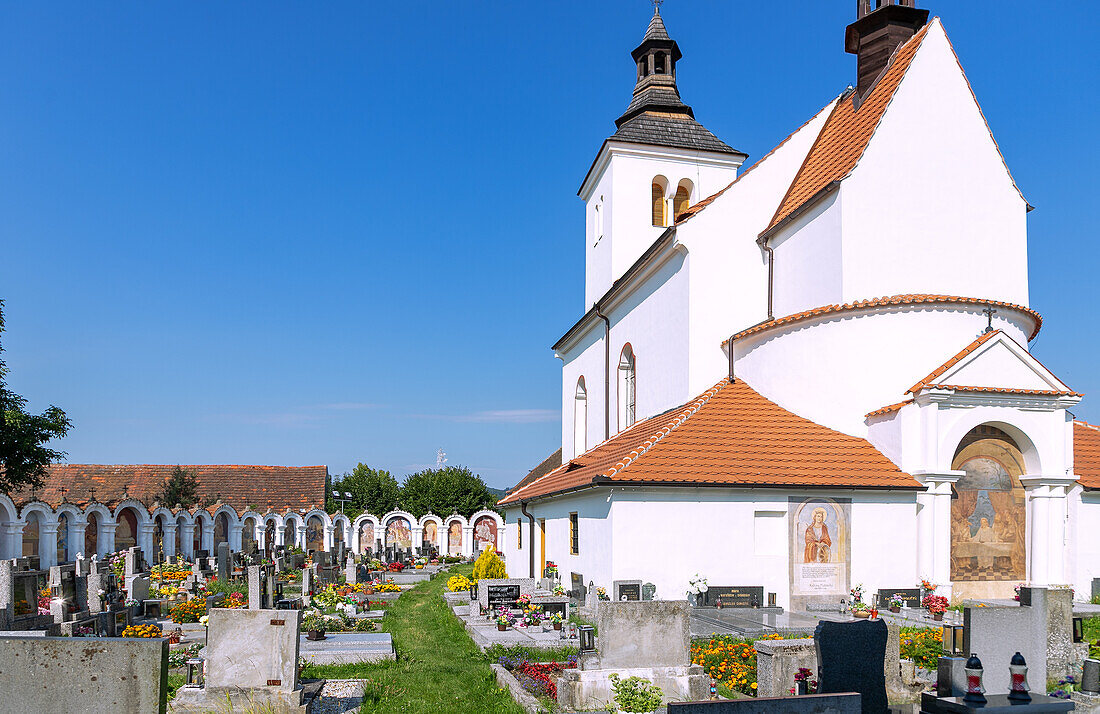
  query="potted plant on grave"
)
[
  {"x": 636, "y": 695},
  {"x": 697, "y": 585},
  {"x": 895, "y": 602},
  {"x": 314, "y": 625},
  {"x": 502, "y": 622},
  {"x": 861, "y": 610},
  {"x": 803, "y": 684},
  {"x": 935, "y": 604},
  {"x": 556, "y": 620}
]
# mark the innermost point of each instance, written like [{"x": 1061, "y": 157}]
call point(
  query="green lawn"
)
[{"x": 438, "y": 669}]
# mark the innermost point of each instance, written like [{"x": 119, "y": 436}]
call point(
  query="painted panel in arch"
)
[
  {"x": 454, "y": 538},
  {"x": 485, "y": 532},
  {"x": 399, "y": 533},
  {"x": 820, "y": 549},
  {"x": 366, "y": 536},
  {"x": 431, "y": 532}
]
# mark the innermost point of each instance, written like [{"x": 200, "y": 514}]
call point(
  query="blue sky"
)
[{"x": 292, "y": 233}]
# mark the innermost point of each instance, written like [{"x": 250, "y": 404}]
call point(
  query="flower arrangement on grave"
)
[
  {"x": 601, "y": 594},
  {"x": 803, "y": 675},
  {"x": 922, "y": 645},
  {"x": 165, "y": 591},
  {"x": 559, "y": 589},
  {"x": 538, "y": 678},
  {"x": 935, "y": 604},
  {"x": 523, "y": 600},
  {"x": 188, "y": 611},
  {"x": 387, "y": 587},
  {"x": 117, "y": 563},
  {"x": 1065, "y": 687},
  {"x": 895, "y": 602},
  {"x": 171, "y": 571},
  {"x": 729, "y": 660},
  {"x": 927, "y": 586},
  {"x": 857, "y": 594},
  {"x": 488, "y": 566},
  {"x": 551, "y": 570},
  {"x": 204, "y": 620},
  {"x": 531, "y": 615},
  {"x": 80, "y": 631},
  {"x": 556, "y": 620},
  {"x": 635, "y": 694},
  {"x": 376, "y": 564},
  {"x": 502, "y": 620},
  {"x": 1016, "y": 597},
  {"x": 178, "y": 658},
  {"x": 395, "y": 567},
  {"x": 458, "y": 583},
  {"x": 145, "y": 631},
  {"x": 44, "y": 601},
  {"x": 235, "y": 601},
  {"x": 697, "y": 585}
]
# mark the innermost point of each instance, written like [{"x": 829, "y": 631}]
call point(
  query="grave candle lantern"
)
[
  {"x": 1017, "y": 669},
  {"x": 588, "y": 638},
  {"x": 194, "y": 673},
  {"x": 975, "y": 690}
]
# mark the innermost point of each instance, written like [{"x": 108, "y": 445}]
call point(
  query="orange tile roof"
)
[
  {"x": 882, "y": 302},
  {"x": 281, "y": 487},
  {"x": 1007, "y": 390},
  {"x": 846, "y": 134},
  {"x": 692, "y": 210},
  {"x": 938, "y": 371},
  {"x": 888, "y": 409},
  {"x": 729, "y": 436},
  {"x": 1086, "y": 454}
]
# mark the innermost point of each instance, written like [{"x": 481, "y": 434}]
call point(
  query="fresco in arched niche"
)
[
  {"x": 399, "y": 533},
  {"x": 454, "y": 538},
  {"x": 315, "y": 534},
  {"x": 431, "y": 533},
  {"x": 366, "y": 537},
  {"x": 988, "y": 509},
  {"x": 91, "y": 535},
  {"x": 485, "y": 533}
]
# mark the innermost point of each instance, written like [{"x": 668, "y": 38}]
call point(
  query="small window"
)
[
  {"x": 659, "y": 63},
  {"x": 628, "y": 388},
  {"x": 574, "y": 534},
  {"x": 682, "y": 201},
  {"x": 580, "y": 419},
  {"x": 519, "y": 532},
  {"x": 658, "y": 195}
]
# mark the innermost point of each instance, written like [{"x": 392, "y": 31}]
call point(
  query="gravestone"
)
[
  {"x": 255, "y": 587},
  {"x": 649, "y": 591},
  {"x": 995, "y": 633},
  {"x": 850, "y": 657},
  {"x": 307, "y": 583},
  {"x": 910, "y": 595},
  {"x": 626, "y": 590},
  {"x": 223, "y": 562},
  {"x": 808, "y": 704},
  {"x": 132, "y": 565},
  {"x": 97, "y": 589},
  {"x": 137, "y": 588},
  {"x": 734, "y": 596},
  {"x": 7, "y": 594},
  {"x": 1095, "y": 588},
  {"x": 778, "y": 661},
  {"x": 1090, "y": 679},
  {"x": 351, "y": 573},
  {"x": 576, "y": 585},
  {"x": 82, "y": 565},
  {"x": 502, "y": 595},
  {"x": 492, "y": 593}
]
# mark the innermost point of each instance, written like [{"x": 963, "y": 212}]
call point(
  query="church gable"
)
[{"x": 994, "y": 362}]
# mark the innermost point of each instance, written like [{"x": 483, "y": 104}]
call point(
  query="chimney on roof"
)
[{"x": 881, "y": 27}]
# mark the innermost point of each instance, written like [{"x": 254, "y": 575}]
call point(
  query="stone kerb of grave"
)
[
  {"x": 85, "y": 676},
  {"x": 251, "y": 660},
  {"x": 646, "y": 639},
  {"x": 808, "y": 704}
]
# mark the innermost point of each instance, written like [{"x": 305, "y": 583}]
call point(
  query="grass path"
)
[{"x": 438, "y": 670}]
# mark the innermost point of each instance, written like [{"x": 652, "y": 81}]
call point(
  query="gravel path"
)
[{"x": 340, "y": 696}]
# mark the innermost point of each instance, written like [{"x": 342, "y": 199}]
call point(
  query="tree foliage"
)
[
  {"x": 445, "y": 490},
  {"x": 181, "y": 487},
  {"x": 24, "y": 455},
  {"x": 373, "y": 490}
]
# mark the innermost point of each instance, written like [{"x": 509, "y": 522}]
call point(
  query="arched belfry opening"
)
[{"x": 988, "y": 514}]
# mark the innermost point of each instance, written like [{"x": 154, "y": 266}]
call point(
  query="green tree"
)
[
  {"x": 446, "y": 490},
  {"x": 372, "y": 490},
  {"x": 24, "y": 455},
  {"x": 181, "y": 487}
]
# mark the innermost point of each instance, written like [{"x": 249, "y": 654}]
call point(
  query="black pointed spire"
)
[{"x": 656, "y": 114}]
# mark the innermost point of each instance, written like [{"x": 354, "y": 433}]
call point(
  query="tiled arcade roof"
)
[
  {"x": 729, "y": 436},
  {"x": 241, "y": 487},
  {"x": 1086, "y": 454},
  {"x": 939, "y": 371}
]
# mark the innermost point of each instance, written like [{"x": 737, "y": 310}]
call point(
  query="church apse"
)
[{"x": 988, "y": 513}]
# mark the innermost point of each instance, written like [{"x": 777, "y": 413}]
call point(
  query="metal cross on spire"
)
[
  {"x": 657, "y": 6},
  {"x": 989, "y": 313}
]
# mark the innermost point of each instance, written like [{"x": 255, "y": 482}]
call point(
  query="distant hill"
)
[{"x": 498, "y": 492}]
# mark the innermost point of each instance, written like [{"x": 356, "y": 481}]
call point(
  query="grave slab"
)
[
  {"x": 995, "y": 704},
  {"x": 348, "y": 647},
  {"x": 808, "y": 704}
]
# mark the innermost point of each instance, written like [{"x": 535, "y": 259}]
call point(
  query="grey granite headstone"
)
[
  {"x": 137, "y": 588},
  {"x": 255, "y": 587},
  {"x": 96, "y": 582},
  {"x": 351, "y": 573},
  {"x": 1095, "y": 588},
  {"x": 995, "y": 633},
  {"x": 951, "y": 677},
  {"x": 643, "y": 634},
  {"x": 307, "y": 582},
  {"x": 7, "y": 594},
  {"x": 223, "y": 562},
  {"x": 850, "y": 657},
  {"x": 626, "y": 590},
  {"x": 132, "y": 564},
  {"x": 1090, "y": 680}
]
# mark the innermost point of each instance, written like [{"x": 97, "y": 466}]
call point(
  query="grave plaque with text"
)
[
  {"x": 630, "y": 592},
  {"x": 502, "y": 595},
  {"x": 911, "y": 596},
  {"x": 734, "y": 596}
]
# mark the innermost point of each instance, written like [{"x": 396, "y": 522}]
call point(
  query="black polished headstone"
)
[
  {"x": 630, "y": 592},
  {"x": 731, "y": 596},
  {"x": 994, "y": 704},
  {"x": 502, "y": 595},
  {"x": 851, "y": 658},
  {"x": 576, "y": 581},
  {"x": 910, "y": 595},
  {"x": 808, "y": 704}
]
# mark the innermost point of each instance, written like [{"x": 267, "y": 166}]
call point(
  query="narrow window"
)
[
  {"x": 597, "y": 227},
  {"x": 658, "y": 192},
  {"x": 682, "y": 201},
  {"x": 627, "y": 388},
  {"x": 519, "y": 533},
  {"x": 659, "y": 63},
  {"x": 574, "y": 535},
  {"x": 580, "y": 419}
]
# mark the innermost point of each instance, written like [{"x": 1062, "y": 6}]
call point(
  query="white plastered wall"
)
[{"x": 931, "y": 207}]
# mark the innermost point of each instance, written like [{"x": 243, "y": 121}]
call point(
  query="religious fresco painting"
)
[
  {"x": 485, "y": 533},
  {"x": 315, "y": 534},
  {"x": 988, "y": 509},
  {"x": 454, "y": 538},
  {"x": 399, "y": 533},
  {"x": 366, "y": 537},
  {"x": 820, "y": 549},
  {"x": 431, "y": 533}
]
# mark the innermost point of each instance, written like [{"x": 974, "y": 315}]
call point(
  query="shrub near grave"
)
[
  {"x": 488, "y": 566},
  {"x": 458, "y": 583}
]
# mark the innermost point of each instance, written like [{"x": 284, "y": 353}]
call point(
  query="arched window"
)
[
  {"x": 681, "y": 202},
  {"x": 627, "y": 388},
  {"x": 658, "y": 196},
  {"x": 580, "y": 419}
]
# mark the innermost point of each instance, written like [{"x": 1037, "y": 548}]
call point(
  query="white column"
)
[
  {"x": 300, "y": 536},
  {"x": 938, "y": 521},
  {"x": 47, "y": 543},
  {"x": 207, "y": 538},
  {"x": 1047, "y": 507},
  {"x": 467, "y": 540},
  {"x": 76, "y": 537},
  {"x": 169, "y": 540},
  {"x": 146, "y": 532},
  {"x": 417, "y": 538},
  {"x": 235, "y": 536},
  {"x": 105, "y": 540},
  {"x": 13, "y": 537},
  {"x": 187, "y": 540},
  {"x": 925, "y": 517},
  {"x": 328, "y": 541},
  {"x": 280, "y": 533}
]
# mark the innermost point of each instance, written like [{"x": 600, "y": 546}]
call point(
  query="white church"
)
[{"x": 814, "y": 372}]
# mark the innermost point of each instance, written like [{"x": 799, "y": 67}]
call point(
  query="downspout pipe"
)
[
  {"x": 771, "y": 281},
  {"x": 606, "y": 372},
  {"x": 531, "y": 541}
]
